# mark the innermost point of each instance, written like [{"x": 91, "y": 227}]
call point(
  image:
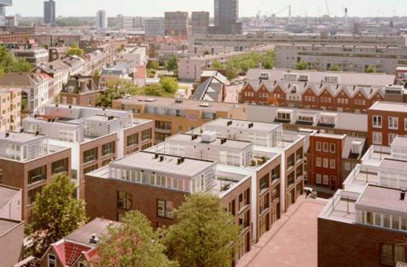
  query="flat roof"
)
[
  {"x": 20, "y": 137},
  {"x": 384, "y": 198},
  {"x": 244, "y": 125},
  {"x": 147, "y": 161},
  {"x": 389, "y": 106},
  {"x": 399, "y": 141},
  {"x": 98, "y": 226},
  {"x": 165, "y": 102},
  {"x": 233, "y": 144},
  {"x": 394, "y": 164}
]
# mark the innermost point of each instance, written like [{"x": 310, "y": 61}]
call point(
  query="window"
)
[
  {"x": 332, "y": 164},
  {"x": 89, "y": 169},
  {"x": 319, "y": 162},
  {"x": 37, "y": 175},
  {"x": 275, "y": 173},
  {"x": 369, "y": 218},
  {"x": 165, "y": 209},
  {"x": 124, "y": 200},
  {"x": 90, "y": 155},
  {"x": 32, "y": 194},
  {"x": 325, "y": 163},
  {"x": 377, "y": 138},
  {"x": 60, "y": 166},
  {"x": 377, "y": 121},
  {"x": 318, "y": 178},
  {"x": 264, "y": 183},
  {"x": 52, "y": 261},
  {"x": 393, "y": 123},
  {"x": 386, "y": 221},
  {"x": 405, "y": 124},
  {"x": 326, "y": 180},
  {"x": 332, "y": 148},
  {"x": 390, "y": 255},
  {"x": 319, "y": 146},
  {"x": 391, "y": 138},
  {"x": 347, "y": 166},
  {"x": 132, "y": 139},
  {"x": 283, "y": 116},
  {"x": 325, "y": 146},
  {"x": 109, "y": 148},
  {"x": 146, "y": 135}
]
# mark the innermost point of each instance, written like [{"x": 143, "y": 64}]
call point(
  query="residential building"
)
[
  {"x": 10, "y": 107},
  {"x": 174, "y": 116},
  {"x": 200, "y": 22},
  {"x": 226, "y": 17},
  {"x": 154, "y": 27},
  {"x": 81, "y": 90},
  {"x": 30, "y": 93},
  {"x": 137, "y": 55},
  {"x": 79, "y": 248},
  {"x": 10, "y": 202},
  {"x": 331, "y": 157},
  {"x": 34, "y": 56},
  {"x": 385, "y": 121},
  {"x": 124, "y": 22},
  {"x": 176, "y": 23},
  {"x": 95, "y": 136},
  {"x": 367, "y": 228},
  {"x": 101, "y": 19},
  {"x": 354, "y": 58},
  {"x": 59, "y": 71},
  {"x": 337, "y": 91},
  {"x": 212, "y": 87},
  {"x": 49, "y": 12},
  {"x": 27, "y": 161}
]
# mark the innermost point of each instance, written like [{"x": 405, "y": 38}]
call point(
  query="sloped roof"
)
[{"x": 26, "y": 80}]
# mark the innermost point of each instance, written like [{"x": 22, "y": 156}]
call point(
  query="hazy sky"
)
[{"x": 247, "y": 7}]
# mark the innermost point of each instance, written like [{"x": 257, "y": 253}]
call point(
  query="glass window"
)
[
  {"x": 395, "y": 222},
  {"x": 326, "y": 180},
  {"x": 124, "y": 200},
  {"x": 318, "y": 179},
  {"x": 146, "y": 135},
  {"x": 332, "y": 148},
  {"x": 369, "y": 218},
  {"x": 264, "y": 183},
  {"x": 132, "y": 139},
  {"x": 52, "y": 261},
  {"x": 319, "y": 162},
  {"x": 90, "y": 155},
  {"x": 377, "y": 121},
  {"x": 377, "y": 138},
  {"x": 60, "y": 166},
  {"x": 332, "y": 164},
  {"x": 319, "y": 146},
  {"x": 38, "y": 174},
  {"x": 378, "y": 219},
  {"x": 393, "y": 123},
  {"x": 109, "y": 148},
  {"x": 165, "y": 209},
  {"x": 386, "y": 221}
]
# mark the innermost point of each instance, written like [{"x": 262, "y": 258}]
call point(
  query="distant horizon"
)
[{"x": 248, "y": 8}]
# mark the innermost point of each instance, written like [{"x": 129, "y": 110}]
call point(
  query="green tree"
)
[
  {"x": 96, "y": 73},
  {"x": 74, "y": 50},
  {"x": 301, "y": 65},
  {"x": 217, "y": 65},
  {"x": 335, "y": 67},
  {"x": 56, "y": 214},
  {"x": 268, "y": 59},
  {"x": 153, "y": 64},
  {"x": 115, "y": 90},
  {"x": 172, "y": 63},
  {"x": 169, "y": 84},
  {"x": 21, "y": 65},
  {"x": 135, "y": 243},
  {"x": 203, "y": 236},
  {"x": 371, "y": 69}
]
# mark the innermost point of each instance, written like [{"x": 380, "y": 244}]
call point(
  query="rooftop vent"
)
[
  {"x": 37, "y": 133},
  {"x": 94, "y": 239},
  {"x": 204, "y": 105},
  {"x": 251, "y": 125},
  {"x": 402, "y": 194},
  {"x": 223, "y": 141},
  {"x": 156, "y": 156},
  {"x": 208, "y": 137},
  {"x": 7, "y": 135},
  {"x": 161, "y": 158},
  {"x": 178, "y": 100},
  {"x": 150, "y": 100}
]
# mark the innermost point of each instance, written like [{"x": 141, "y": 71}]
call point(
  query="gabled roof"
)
[
  {"x": 208, "y": 86},
  {"x": 68, "y": 252},
  {"x": 25, "y": 80}
]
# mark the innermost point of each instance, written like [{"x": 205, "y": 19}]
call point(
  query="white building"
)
[{"x": 101, "y": 19}]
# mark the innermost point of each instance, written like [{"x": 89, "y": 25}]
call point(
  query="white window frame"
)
[
  {"x": 325, "y": 179},
  {"x": 318, "y": 178},
  {"x": 375, "y": 121},
  {"x": 332, "y": 163},
  {"x": 319, "y": 146},
  {"x": 377, "y": 138},
  {"x": 393, "y": 123}
]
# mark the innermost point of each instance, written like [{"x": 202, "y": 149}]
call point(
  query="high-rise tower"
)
[{"x": 49, "y": 12}]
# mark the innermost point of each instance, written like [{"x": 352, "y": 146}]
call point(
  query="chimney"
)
[
  {"x": 37, "y": 133},
  {"x": 21, "y": 130},
  {"x": 179, "y": 161},
  {"x": 402, "y": 194},
  {"x": 94, "y": 239},
  {"x": 155, "y": 156},
  {"x": 7, "y": 135},
  {"x": 161, "y": 158},
  {"x": 70, "y": 106}
]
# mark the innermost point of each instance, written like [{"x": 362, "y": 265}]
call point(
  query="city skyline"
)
[{"x": 247, "y": 8}]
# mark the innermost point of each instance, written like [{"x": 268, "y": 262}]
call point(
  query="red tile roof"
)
[{"x": 68, "y": 252}]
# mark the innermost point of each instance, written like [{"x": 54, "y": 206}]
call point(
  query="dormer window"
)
[
  {"x": 306, "y": 118},
  {"x": 331, "y": 79},
  {"x": 290, "y": 77},
  {"x": 357, "y": 147},
  {"x": 303, "y": 78},
  {"x": 328, "y": 119},
  {"x": 284, "y": 115}
]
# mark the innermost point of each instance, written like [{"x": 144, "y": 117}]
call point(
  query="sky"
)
[{"x": 247, "y": 7}]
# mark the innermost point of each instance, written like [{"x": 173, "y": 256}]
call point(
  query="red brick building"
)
[{"x": 385, "y": 121}]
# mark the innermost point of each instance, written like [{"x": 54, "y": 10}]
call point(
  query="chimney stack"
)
[{"x": 402, "y": 194}]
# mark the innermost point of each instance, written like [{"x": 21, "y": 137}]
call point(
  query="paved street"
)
[{"x": 292, "y": 240}]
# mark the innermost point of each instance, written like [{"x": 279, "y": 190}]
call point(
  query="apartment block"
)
[
  {"x": 35, "y": 56},
  {"x": 27, "y": 162},
  {"x": 10, "y": 108},
  {"x": 349, "y": 58},
  {"x": 79, "y": 248},
  {"x": 174, "y": 116},
  {"x": 95, "y": 136},
  {"x": 154, "y": 27},
  {"x": 200, "y": 22},
  {"x": 385, "y": 121},
  {"x": 176, "y": 23},
  {"x": 156, "y": 184},
  {"x": 367, "y": 228},
  {"x": 337, "y": 91},
  {"x": 330, "y": 160}
]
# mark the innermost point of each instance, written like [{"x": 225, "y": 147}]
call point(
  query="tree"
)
[
  {"x": 135, "y": 243},
  {"x": 74, "y": 50},
  {"x": 203, "y": 236},
  {"x": 371, "y": 69},
  {"x": 217, "y": 65},
  {"x": 21, "y": 65},
  {"x": 169, "y": 84},
  {"x": 172, "y": 63},
  {"x": 301, "y": 65},
  {"x": 335, "y": 67},
  {"x": 8, "y": 63},
  {"x": 96, "y": 73},
  {"x": 153, "y": 64},
  {"x": 56, "y": 214}
]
